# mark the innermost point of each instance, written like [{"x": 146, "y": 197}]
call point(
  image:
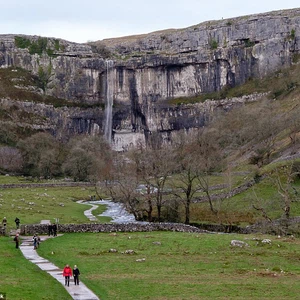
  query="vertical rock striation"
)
[{"x": 152, "y": 68}]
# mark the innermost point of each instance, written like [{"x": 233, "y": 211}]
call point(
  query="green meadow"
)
[{"x": 162, "y": 265}]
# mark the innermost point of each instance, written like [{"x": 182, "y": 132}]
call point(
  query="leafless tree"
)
[
  {"x": 282, "y": 177},
  {"x": 40, "y": 153},
  {"x": 88, "y": 158},
  {"x": 154, "y": 166},
  {"x": 10, "y": 159},
  {"x": 197, "y": 156},
  {"x": 121, "y": 185}
]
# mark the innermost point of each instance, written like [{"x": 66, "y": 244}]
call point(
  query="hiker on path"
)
[
  {"x": 76, "y": 274},
  {"x": 4, "y": 222},
  {"x": 17, "y": 221},
  {"x": 67, "y": 273},
  {"x": 36, "y": 241},
  {"x": 17, "y": 240},
  {"x": 54, "y": 228},
  {"x": 50, "y": 229}
]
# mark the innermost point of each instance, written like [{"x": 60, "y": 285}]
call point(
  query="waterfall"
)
[{"x": 110, "y": 81}]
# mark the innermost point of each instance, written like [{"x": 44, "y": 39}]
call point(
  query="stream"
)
[{"x": 115, "y": 211}]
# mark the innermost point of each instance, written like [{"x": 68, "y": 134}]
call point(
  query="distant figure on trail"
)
[
  {"x": 50, "y": 229},
  {"x": 76, "y": 274},
  {"x": 36, "y": 241},
  {"x": 17, "y": 240},
  {"x": 54, "y": 228},
  {"x": 4, "y": 222},
  {"x": 17, "y": 221},
  {"x": 67, "y": 273}
]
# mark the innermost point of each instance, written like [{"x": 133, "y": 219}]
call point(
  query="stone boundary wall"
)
[
  {"x": 42, "y": 229},
  {"x": 275, "y": 227},
  {"x": 223, "y": 228},
  {"x": 34, "y": 185}
]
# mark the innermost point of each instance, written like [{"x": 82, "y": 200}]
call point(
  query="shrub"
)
[
  {"x": 249, "y": 43},
  {"x": 293, "y": 34},
  {"x": 213, "y": 44},
  {"x": 36, "y": 47},
  {"x": 56, "y": 45},
  {"x": 22, "y": 42},
  {"x": 39, "y": 46},
  {"x": 101, "y": 49}
]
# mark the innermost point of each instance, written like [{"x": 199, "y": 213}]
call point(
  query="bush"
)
[
  {"x": 101, "y": 49},
  {"x": 213, "y": 44},
  {"x": 293, "y": 34},
  {"x": 39, "y": 46},
  {"x": 22, "y": 42}
]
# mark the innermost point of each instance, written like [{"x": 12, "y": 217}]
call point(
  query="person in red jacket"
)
[{"x": 67, "y": 273}]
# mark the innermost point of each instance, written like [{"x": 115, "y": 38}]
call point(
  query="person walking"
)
[
  {"x": 54, "y": 228},
  {"x": 67, "y": 273},
  {"x": 35, "y": 242},
  {"x": 50, "y": 229},
  {"x": 4, "y": 223},
  {"x": 17, "y": 240},
  {"x": 76, "y": 274},
  {"x": 17, "y": 221}
]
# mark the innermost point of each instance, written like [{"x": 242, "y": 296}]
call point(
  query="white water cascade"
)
[{"x": 110, "y": 82}]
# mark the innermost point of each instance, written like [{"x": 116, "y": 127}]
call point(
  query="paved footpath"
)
[{"x": 77, "y": 292}]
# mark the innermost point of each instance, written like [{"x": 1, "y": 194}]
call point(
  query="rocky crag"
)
[{"x": 140, "y": 74}]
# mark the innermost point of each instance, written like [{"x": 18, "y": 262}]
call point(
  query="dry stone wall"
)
[{"x": 130, "y": 227}]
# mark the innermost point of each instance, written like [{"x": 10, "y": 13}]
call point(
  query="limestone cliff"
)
[{"x": 150, "y": 69}]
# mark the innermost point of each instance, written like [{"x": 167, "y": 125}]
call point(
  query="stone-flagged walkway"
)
[
  {"x": 77, "y": 292},
  {"x": 88, "y": 213}
]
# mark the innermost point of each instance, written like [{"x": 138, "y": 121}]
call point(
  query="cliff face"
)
[{"x": 147, "y": 70}]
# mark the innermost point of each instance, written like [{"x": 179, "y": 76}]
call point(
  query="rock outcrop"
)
[{"x": 149, "y": 70}]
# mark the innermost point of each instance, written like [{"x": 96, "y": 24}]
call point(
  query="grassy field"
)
[
  {"x": 173, "y": 266},
  {"x": 31, "y": 205}
]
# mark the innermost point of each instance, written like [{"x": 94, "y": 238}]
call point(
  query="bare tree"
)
[
  {"x": 282, "y": 177},
  {"x": 121, "y": 185},
  {"x": 40, "y": 154},
  {"x": 197, "y": 155},
  {"x": 154, "y": 166},
  {"x": 10, "y": 159},
  {"x": 89, "y": 158}
]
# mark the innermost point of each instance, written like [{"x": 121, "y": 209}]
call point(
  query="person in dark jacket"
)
[
  {"x": 17, "y": 240},
  {"x": 50, "y": 229},
  {"x": 76, "y": 274},
  {"x": 54, "y": 229},
  {"x": 35, "y": 242},
  {"x": 4, "y": 223},
  {"x": 17, "y": 221},
  {"x": 67, "y": 273}
]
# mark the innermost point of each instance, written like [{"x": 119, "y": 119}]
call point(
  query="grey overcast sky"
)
[{"x": 91, "y": 20}]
